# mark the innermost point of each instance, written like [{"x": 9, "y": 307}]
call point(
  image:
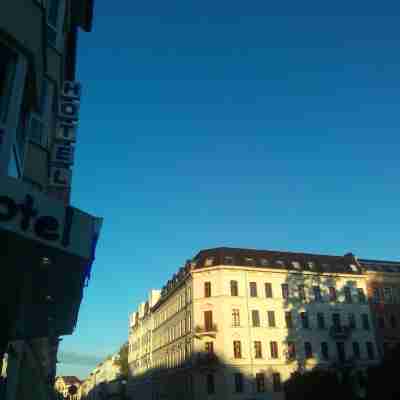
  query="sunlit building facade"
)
[{"x": 236, "y": 323}]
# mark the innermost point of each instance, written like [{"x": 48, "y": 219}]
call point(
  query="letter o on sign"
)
[{"x": 10, "y": 206}]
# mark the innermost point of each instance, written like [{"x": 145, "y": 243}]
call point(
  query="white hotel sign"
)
[{"x": 35, "y": 216}]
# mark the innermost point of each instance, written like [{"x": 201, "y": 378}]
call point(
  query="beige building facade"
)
[
  {"x": 235, "y": 323},
  {"x": 63, "y": 384}
]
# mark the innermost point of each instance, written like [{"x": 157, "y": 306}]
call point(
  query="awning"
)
[{"x": 45, "y": 250}]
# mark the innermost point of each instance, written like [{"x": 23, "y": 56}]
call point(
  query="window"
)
[
  {"x": 370, "y": 350},
  {"x": 208, "y": 321},
  {"x": 332, "y": 294},
  {"x": 235, "y": 317},
  {"x": 321, "y": 320},
  {"x": 234, "y": 288},
  {"x": 271, "y": 319},
  {"x": 288, "y": 319},
  {"x": 304, "y": 320},
  {"x": 255, "y": 316},
  {"x": 308, "y": 350},
  {"x": 336, "y": 321},
  {"x": 296, "y": 265},
  {"x": 268, "y": 290},
  {"x": 361, "y": 295},
  {"x": 39, "y": 121},
  {"x": 7, "y": 74},
  {"x": 207, "y": 289},
  {"x": 54, "y": 20},
  {"x": 341, "y": 352},
  {"x": 285, "y": 290},
  {"x": 377, "y": 295},
  {"x": 302, "y": 292},
  {"x": 237, "y": 349},
  {"x": 257, "y": 349},
  {"x": 189, "y": 294},
  {"x": 238, "y": 383},
  {"x": 274, "y": 349},
  {"x": 387, "y": 295},
  {"x": 291, "y": 350},
  {"x": 253, "y": 289},
  {"x": 249, "y": 261},
  {"x": 276, "y": 382},
  {"x": 209, "y": 261},
  {"x": 22, "y": 126},
  {"x": 228, "y": 260},
  {"x": 263, "y": 262},
  {"x": 365, "y": 321},
  {"x": 347, "y": 295},
  {"x": 260, "y": 382},
  {"x": 356, "y": 350},
  {"x": 209, "y": 347},
  {"x": 393, "y": 321},
  {"x": 188, "y": 322},
  {"x": 317, "y": 293},
  {"x": 210, "y": 384},
  {"x": 325, "y": 350},
  {"x": 352, "y": 321}
]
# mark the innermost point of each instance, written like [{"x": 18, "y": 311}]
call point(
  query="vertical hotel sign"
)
[{"x": 62, "y": 155}]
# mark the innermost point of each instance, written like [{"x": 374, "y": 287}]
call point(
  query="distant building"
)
[
  {"x": 238, "y": 322},
  {"x": 63, "y": 385},
  {"x": 101, "y": 380},
  {"x": 384, "y": 296}
]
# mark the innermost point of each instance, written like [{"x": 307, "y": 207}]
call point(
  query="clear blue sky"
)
[{"x": 247, "y": 124}]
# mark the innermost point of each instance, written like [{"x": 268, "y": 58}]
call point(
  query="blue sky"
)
[{"x": 246, "y": 124}]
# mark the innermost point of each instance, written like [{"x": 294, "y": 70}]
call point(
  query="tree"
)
[{"x": 122, "y": 361}]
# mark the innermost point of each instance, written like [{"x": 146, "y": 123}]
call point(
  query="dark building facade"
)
[{"x": 47, "y": 245}]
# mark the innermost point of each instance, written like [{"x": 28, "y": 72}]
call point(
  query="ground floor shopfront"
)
[{"x": 46, "y": 252}]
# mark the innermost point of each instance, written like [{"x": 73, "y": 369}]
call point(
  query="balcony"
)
[
  {"x": 200, "y": 331},
  {"x": 340, "y": 332}
]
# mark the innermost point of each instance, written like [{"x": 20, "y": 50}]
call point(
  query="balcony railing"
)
[
  {"x": 206, "y": 330},
  {"x": 340, "y": 332}
]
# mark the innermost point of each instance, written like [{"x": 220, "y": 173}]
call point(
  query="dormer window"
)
[
  {"x": 326, "y": 267},
  {"x": 353, "y": 267},
  {"x": 311, "y": 265},
  {"x": 296, "y": 265},
  {"x": 209, "y": 261},
  {"x": 249, "y": 260},
  {"x": 263, "y": 262},
  {"x": 228, "y": 260}
]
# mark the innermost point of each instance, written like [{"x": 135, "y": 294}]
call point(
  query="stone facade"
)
[{"x": 235, "y": 323}]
